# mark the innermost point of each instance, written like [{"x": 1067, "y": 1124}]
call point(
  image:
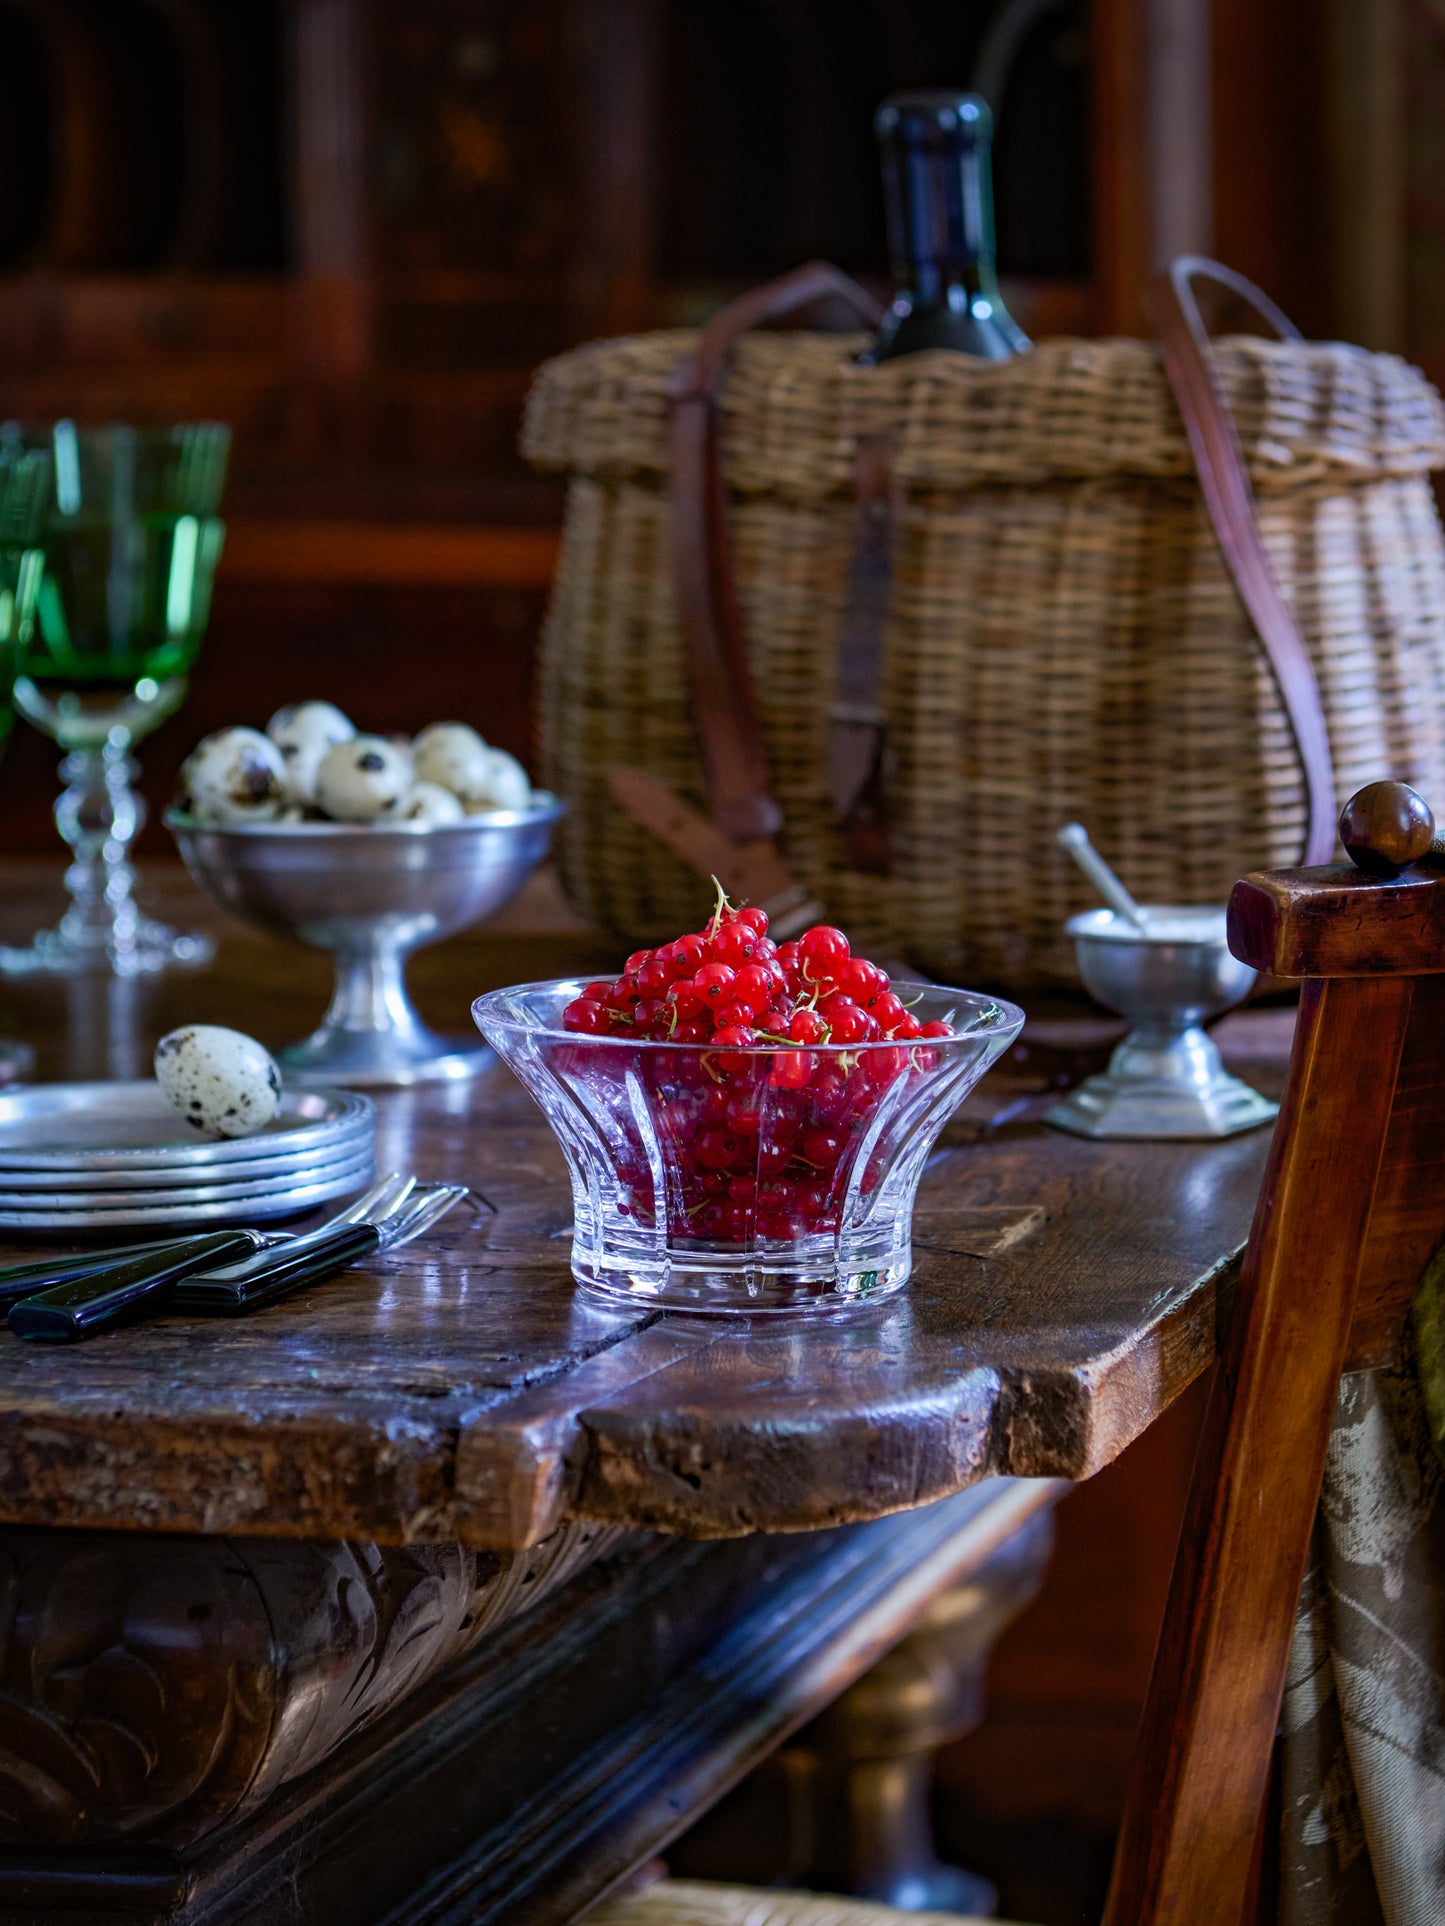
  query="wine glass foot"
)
[
  {"x": 143, "y": 950},
  {"x": 17, "y": 1061}
]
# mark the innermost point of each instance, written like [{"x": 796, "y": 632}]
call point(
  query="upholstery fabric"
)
[{"x": 1363, "y": 1724}]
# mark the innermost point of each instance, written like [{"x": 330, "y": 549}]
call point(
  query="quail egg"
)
[
  {"x": 427, "y": 802},
  {"x": 234, "y": 776},
  {"x": 454, "y": 756},
  {"x": 362, "y": 779},
  {"x": 303, "y": 732},
  {"x": 221, "y": 1081},
  {"x": 507, "y": 786}
]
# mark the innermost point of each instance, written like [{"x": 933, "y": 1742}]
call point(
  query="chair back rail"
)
[{"x": 1350, "y": 1211}]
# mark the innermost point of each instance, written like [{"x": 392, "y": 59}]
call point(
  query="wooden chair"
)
[{"x": 1351, "y": 1209}]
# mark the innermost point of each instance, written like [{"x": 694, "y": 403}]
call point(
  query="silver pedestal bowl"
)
[
  {"x": 1166, "y": 1079},
  {"x": 370, "y": 895}
]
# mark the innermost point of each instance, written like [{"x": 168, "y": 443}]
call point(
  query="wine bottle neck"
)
[
  {"x": 935, "y": 150},
  {"x": 936, "y": 170}
]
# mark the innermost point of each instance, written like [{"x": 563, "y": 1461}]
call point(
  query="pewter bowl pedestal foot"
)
[
  {"x": 1163, "y": 1083},
  {"x": 371, "y": 1035},
  {"x": 1166, "y": 1079}
]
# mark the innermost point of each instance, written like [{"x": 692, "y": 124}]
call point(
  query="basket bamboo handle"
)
[
  {"x": 1224, "y": 480},
  {"x": 724, "y": 705}
]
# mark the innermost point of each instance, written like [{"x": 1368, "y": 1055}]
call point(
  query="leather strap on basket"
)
[
  {"x": 1224, "y": 480},
  {"x": 722, "y": 686}
]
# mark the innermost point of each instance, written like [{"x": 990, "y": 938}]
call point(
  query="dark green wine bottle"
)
[{"x": 939, "y": 194}]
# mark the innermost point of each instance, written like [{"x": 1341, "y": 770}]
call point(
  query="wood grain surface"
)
[{"x": 464, "y": 1390}]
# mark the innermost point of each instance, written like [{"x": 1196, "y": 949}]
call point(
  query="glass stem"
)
[{"x": 99, "y": 814}]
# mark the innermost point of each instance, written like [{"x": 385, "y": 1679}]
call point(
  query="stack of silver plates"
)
[{"x": 112, "y": 1156}]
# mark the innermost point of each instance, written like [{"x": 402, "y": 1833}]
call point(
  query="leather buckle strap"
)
[
  {"x": 1229, "y": 498},
  {"x": 734, "y": 765}
]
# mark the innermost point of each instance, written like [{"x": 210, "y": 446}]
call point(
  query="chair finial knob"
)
[{"x": 1385, "y": 827}]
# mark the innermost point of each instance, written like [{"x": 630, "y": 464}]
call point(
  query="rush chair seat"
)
[
  {"x": 1351, "y": 1210},
  {"x": 687, "y": 1902}
]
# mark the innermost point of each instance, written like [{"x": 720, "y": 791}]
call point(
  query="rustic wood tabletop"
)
[{"x": 1065, "y": 1292}]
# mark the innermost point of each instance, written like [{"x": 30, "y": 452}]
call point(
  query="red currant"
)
[
  {"x": 734, "y": 1036},
  {"x": 713, "y": 983},
  {"x": 855, "y": 979},
  {"x": 775, "y": 1153},
  {"x": 852, "y": 1025},
  {"x": 880, "y": 1067},
  {"x": 718, "y": 1150},
  {"x": 684, "y": 998},
  {"x": 635, "y": 962},
  {"x": 812, "y": 1204},
  {"x": 823, "y": 949},
  {"x": 822, "y": 1148},
  {"x": 934, "y": 1029},
  {"x": 587, "y": 1019},
  {"x": 758, "y": 918},
  {"x": 886, "y": 1009},
  {"x": 734, "y": 945},
  {"x": 753, "y": 989},
  {"x": 654, "y": 977},
  {"x": 791, "y": 1070}
]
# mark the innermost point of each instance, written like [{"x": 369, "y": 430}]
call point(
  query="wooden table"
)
[{"x": 425, "y": 1500}]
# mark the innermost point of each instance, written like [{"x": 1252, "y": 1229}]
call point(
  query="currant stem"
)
[{"x": 723, "y": 903}]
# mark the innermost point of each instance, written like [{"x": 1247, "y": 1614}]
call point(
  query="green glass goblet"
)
[
  {"x": 24, "y": 494},
  {"x": 132, "y": 539}
]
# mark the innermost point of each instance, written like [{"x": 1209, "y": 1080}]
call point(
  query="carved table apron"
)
[{"x": 437, "y": 1594}]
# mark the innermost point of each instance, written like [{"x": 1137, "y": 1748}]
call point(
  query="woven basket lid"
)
[{"x": 797, "y": 404}]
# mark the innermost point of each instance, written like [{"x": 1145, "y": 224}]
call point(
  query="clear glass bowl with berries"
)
[{"x": 746, "y": 1123}]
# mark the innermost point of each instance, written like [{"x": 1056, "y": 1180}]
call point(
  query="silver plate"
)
[
  {"x": 249, "y": 1170},
  {"x": 359, "y": 1164},
  {"x": 181, "y": 1217},
  {"x": 85, "y": 1127}
]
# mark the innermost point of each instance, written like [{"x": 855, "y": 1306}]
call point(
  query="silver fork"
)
[{"x": 319, "y": 1254}]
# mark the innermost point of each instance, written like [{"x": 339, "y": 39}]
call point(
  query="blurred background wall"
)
[{"x": 353, "y": 227}]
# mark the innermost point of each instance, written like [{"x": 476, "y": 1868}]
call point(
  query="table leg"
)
[{"x": 861, "y": 1775}]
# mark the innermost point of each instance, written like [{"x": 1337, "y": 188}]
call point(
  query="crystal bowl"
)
[
  {"x": 744, "y": 1179},
  {"x": 370, "y": 895}
]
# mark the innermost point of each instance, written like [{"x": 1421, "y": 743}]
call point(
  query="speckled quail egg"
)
[
  {"x": 454, "y": 756},
  {"x": 234, "y": 776},
  {"x": 221, "y": 1081},
  {"x": 361, "y": 780},
  {"x": 426, "y": 802},
  {"x": 507, "y": 786},
  {"x": 303, "y": 732}
]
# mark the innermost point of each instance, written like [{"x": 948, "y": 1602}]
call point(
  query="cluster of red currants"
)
[
  {"x": 732, "y": 986},
  {"x": 760, "y": 1128}
]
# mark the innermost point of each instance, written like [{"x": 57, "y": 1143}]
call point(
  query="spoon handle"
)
[{"x": 1075, "y": 839}]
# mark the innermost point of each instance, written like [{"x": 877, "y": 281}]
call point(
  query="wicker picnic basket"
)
[{"x": 1063, "y": 638}]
